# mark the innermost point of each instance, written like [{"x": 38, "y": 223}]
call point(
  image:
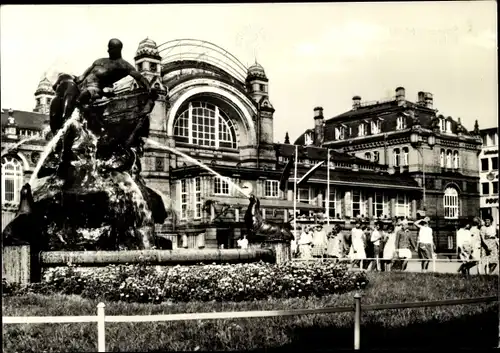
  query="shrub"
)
[{"x": 240, "y": 282}]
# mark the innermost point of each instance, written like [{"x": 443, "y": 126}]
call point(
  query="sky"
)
[{"x": 314, "y": 54}]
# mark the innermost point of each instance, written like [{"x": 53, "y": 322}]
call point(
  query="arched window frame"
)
[
  {"x": 449, "y": 162},
  {"x": 456, "y": 160},
  {"x": 368, "y": 156},
  {"x": 376, "y": 156},
  {"x": 442, "y": 158},
  {"x": 405, "y": 160},
  {"x": 194, "y": 127},
  {"x": 12, "y": 179},
  {"x": 451, "y": 203},
  {"x": 396, "y": 157}
]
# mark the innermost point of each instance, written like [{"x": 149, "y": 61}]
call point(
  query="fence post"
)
[
  {"x": 434, "y": 262},
  {"x": 357, "y": 321},
  {"x": 101, "y": 328}
]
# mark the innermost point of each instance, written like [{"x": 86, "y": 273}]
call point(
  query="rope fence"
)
[{"x": 357, "y": 308}]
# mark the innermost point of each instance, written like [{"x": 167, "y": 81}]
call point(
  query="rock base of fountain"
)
[{"x": 89, "y": 194}]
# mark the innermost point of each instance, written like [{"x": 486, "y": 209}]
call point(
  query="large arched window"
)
[
  {"x": 12, "y": 179},
  {"x": 451, "y": 203},
  {"x": 204, "y": 124}
]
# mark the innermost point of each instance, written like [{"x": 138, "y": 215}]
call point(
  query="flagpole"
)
[
  {"x": 328, "y": 187},
  {"x": 295, "y": 192}
]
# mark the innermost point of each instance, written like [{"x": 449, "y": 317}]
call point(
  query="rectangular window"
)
[
  {"x": 359, "y": 205},
  {"x": 184, "y": 199},
  {"x": 402, "y": 206},
  {"x": 152, "y": 67},
  {"x": 197, "y": 197},
  {"x": 376, "y": 156},
  {"x": 380, "y": 205},
  {"x": 362, "y": 129},
  {"x": 485, "y": 188},
  {"x": 221, "y": 186},
  {"x": 303, "y": 195},
  {"x": 397, "y": 158},
  {"x": 271, "y": 188},
  {"x": 484, "y": 165},
  {"x": 401, "y": 123},
  {"x": 376, "y": 127},
  {"x": 494, "y": 163},
  {"x": 495, "y": 187},
  {"x": 335, "y": 210}
]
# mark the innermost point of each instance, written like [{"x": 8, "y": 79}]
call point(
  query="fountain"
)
[{"x": 86, "y": 192}]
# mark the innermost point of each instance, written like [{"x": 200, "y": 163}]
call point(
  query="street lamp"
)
[{"x": 416, "y": 142}]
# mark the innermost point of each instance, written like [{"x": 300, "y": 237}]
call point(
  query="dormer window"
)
[
  {"x": 139, "y": 67},
  {"x": 448, "y": 125},
  {"x": 362, "y": 129},
  {"x": 308, "y": 139},
  {"x": 376, "y": 127},
  {"x": 38, "y": 101},
  {"x": 339, "y": 132},
  {"x": 401, "y": 123},
  {"x": 368, "y": 156},
  {"x": 153, "y": 67}
]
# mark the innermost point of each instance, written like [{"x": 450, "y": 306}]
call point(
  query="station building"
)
[
  {"x": 412, "y": 139},
  {"x": 217, "y": 111}
]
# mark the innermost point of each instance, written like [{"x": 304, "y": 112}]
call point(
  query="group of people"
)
[
  {"x": 381, "y": 247},
  {"x": 477, "y": 245}
]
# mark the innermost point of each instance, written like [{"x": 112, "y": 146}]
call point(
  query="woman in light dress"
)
[
  {"x": 335, "y": 247},
  {"x": 357, "y": 252},
  {"x": 389, "y": 248},
  {"x": 304, "y": 243},
  {"x": 489, "y": 257},
  {"x": 320, "y": 241}
]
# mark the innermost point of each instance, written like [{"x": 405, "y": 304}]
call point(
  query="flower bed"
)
[{"x": 240, "y": 282}]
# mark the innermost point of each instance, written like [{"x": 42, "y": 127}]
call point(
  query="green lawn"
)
[{"x": 474, "y": 325}]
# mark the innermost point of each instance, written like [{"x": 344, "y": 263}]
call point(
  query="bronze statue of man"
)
[{"x": 105, "y": 72}]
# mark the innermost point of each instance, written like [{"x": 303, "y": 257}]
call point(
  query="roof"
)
[
  {"x": 264, "y": 203},
  {"x": 362, "y": 178},
  {"x": 320, "y": 153},
  {"x": 26, "y": 120},
  {"x": 489, "y": 130}
]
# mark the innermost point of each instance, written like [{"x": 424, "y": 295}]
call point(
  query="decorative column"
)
[
  {"x": 414, "y": 209},
  {"x": 347, "y": 205}
]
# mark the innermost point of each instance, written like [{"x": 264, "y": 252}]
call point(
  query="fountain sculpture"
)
[{"x": 86, "y": 192}]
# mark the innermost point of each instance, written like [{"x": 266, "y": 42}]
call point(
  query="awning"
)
[{"x": 264, "y": 203}]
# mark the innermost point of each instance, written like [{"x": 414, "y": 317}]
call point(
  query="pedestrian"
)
[
  {"x": 489, "y": 236},
  {"x": 243, "y": 242},
  {"x": 389, "y": 252},
  {"x": 464, "y": 247},
  {"x": 375, "y": 240},
  {"x": 320, "y": 241},
  {"x": 334, "y": 247},
  {"x": 404, "y": 245},
  {"x": 305, "y": 242},
  {"x": 425, "y": 242},
  {"x": 357, "y": 251}
]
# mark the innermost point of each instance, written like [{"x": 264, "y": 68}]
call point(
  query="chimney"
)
[
  {"x": 421, "y": 98},
  {"x": 428, "y": 100},
  {"x": 356, "y": 102},
  {"x": 319, "y": 135},
  {"x": 400, "y": 95}
]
